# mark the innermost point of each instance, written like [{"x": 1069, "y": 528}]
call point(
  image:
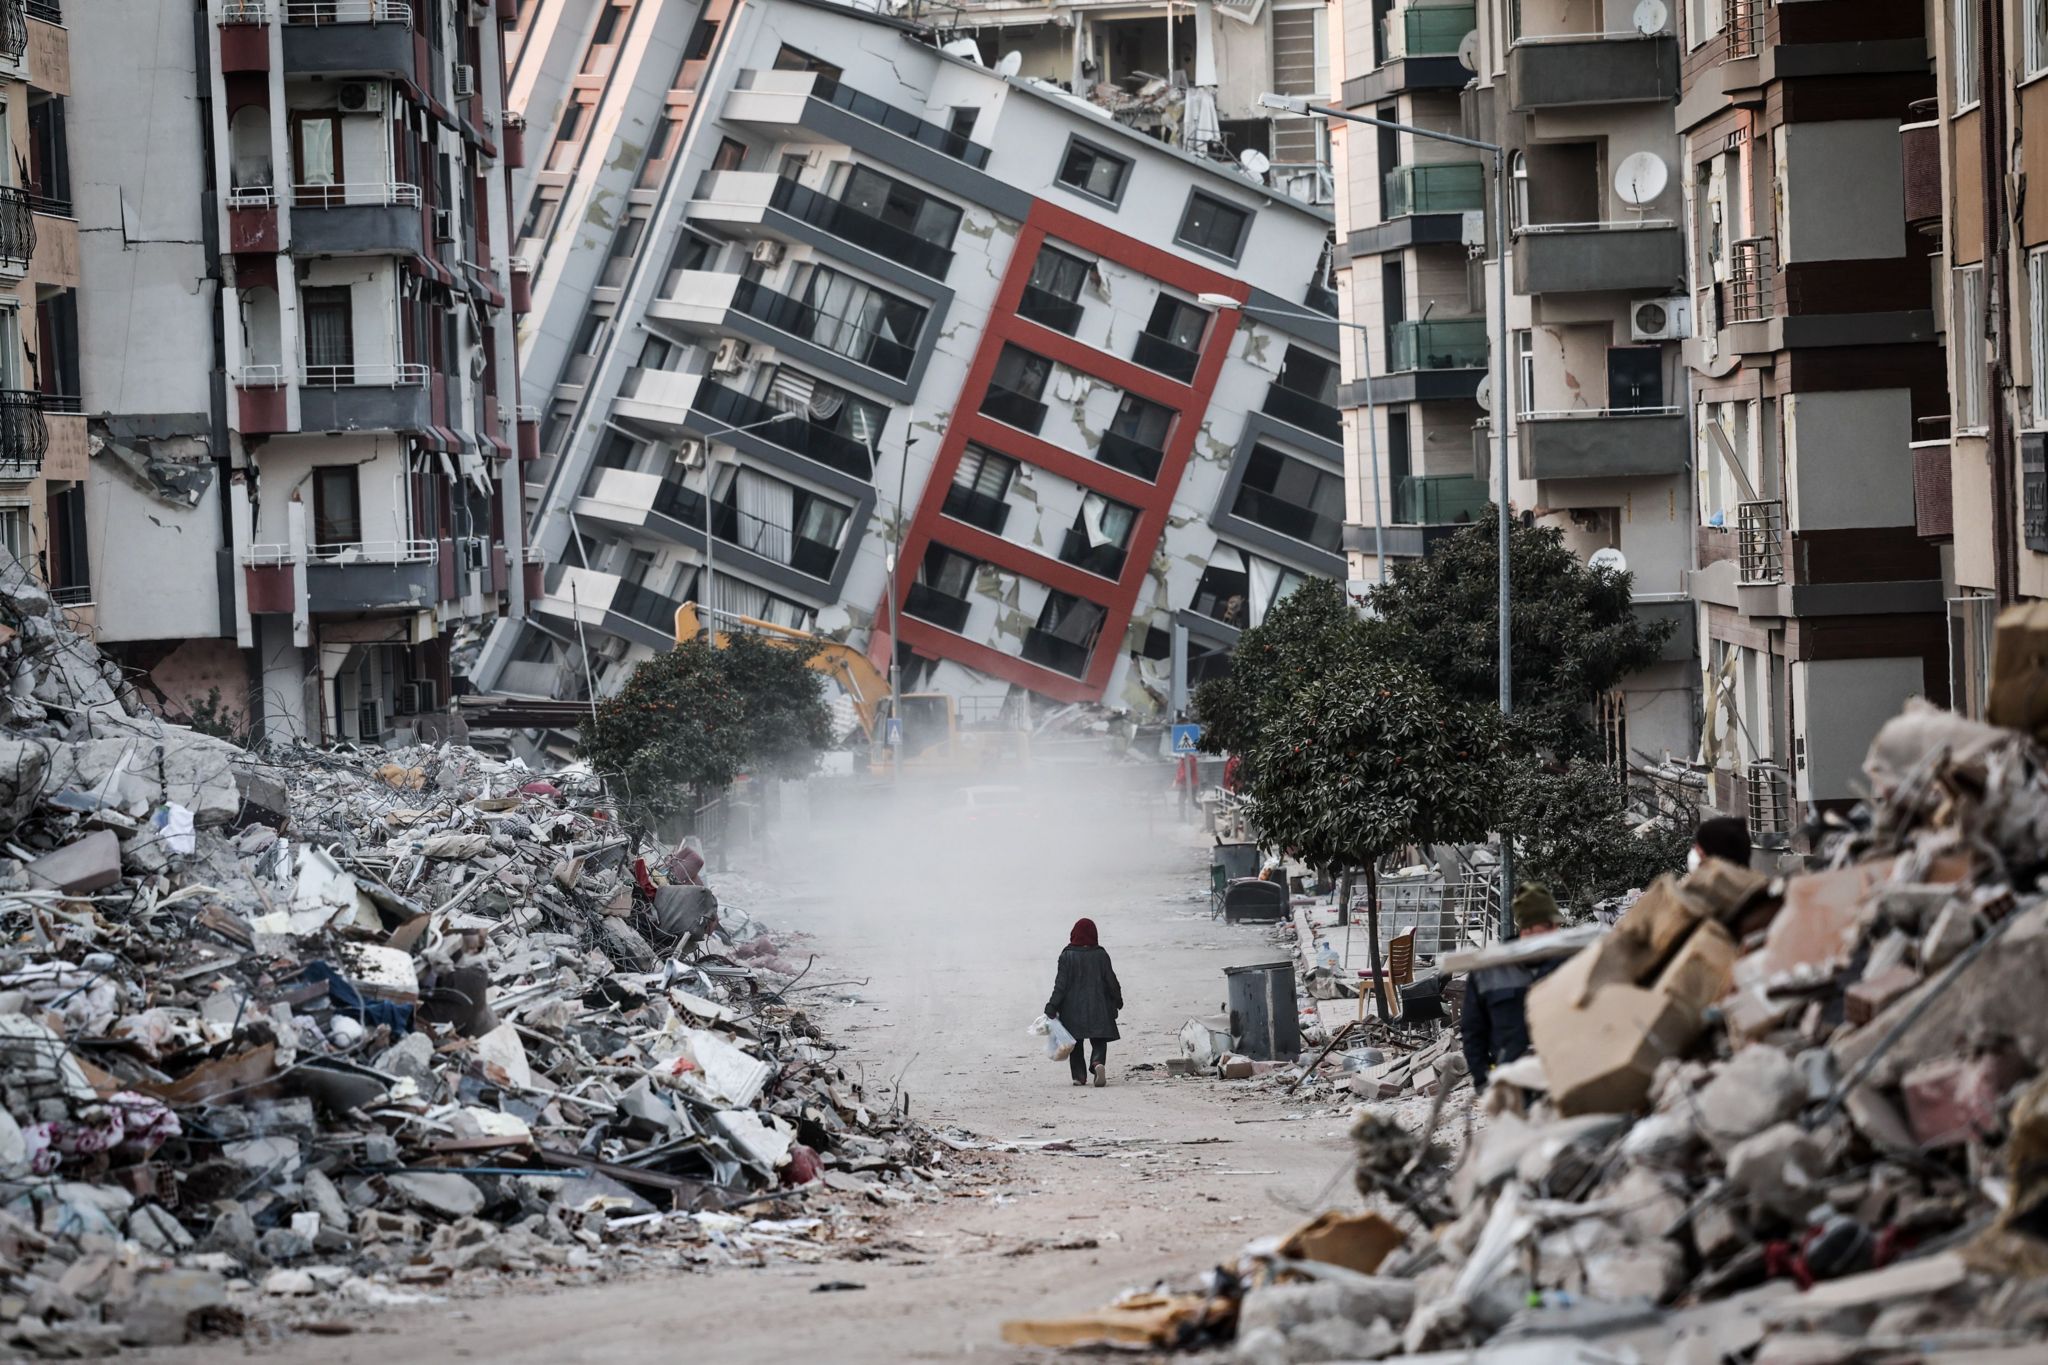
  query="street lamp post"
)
[
  {"x": 1372, "y": 430},
  {"x": 1295, "y": 104},
  {"x": 710, "y": 576}
]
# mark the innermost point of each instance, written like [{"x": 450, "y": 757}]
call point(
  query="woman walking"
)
[{"x": 1086, "y": 999}]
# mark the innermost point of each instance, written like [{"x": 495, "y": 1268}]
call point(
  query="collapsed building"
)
[{"x": 820, "y": 307}]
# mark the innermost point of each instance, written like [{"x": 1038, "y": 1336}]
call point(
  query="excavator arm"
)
[{"x": 862, "y": 681}]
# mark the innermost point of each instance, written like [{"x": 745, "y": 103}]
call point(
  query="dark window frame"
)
[
  {"x": 1123, "y": 180},
  {"x": 1244, "y": 228}
]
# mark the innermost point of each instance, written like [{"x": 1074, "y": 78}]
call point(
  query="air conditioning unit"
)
[
  {"x": 614, "y": 647},
  {"x": 415, "y": 698},
  {"x": 768, "y": 253},
  {"x": 465, "y": 81},
  {"x": 1661, "y": 319},
  {"x": 370, "y": 719},
  {"x": 731, "y": 356},
  {"x": 473, "y": 550},
  {"x": 360, "y": 97},
  {"x": 444, "y": 225},
  {"x": 689, "y": 452}
]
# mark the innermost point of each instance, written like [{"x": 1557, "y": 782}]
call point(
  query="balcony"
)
[
  {"x": 862, "y": 229},
  {"x": 24, "y": 435},
  {"x": 1429, "y": 30},
  {"x": 642, "y": 604},
  {"x": 17, "y": 230},
  {"x": 365, "y": 219},
  {"x": 1447, "y": 344},
  {"x": 1132, "y": 456},
  {"x": 1289, "y": 519},
  {"x": 1447, "y": 187},
  {"x": 1560, "y": 71},
  {"x": 1439, "y": 499},
  {"x": 348, "y": 38},
  {"x": 1619, "y": 444},
  {"x": 1050, "y": 651},
  {"x": 729, "y": 408},
  {"x": 1920, "y": 164},
  {"x": 780, "y": 99},
  {"x": 1105, "y": 560},
  {"x": 335, "y": 398},
  {"x": 347, "y": 576},
  {"x": 936, "y": 608},
  {"x": 843, "y": 336},
  {"x": 1305, "y": 411},
  {"x": 1934, "y": 503},
  {"x": 773, "y": 542},
  {"x": 985, "y": 510},
  {"x": 1161, "y": 356},
  {"x": 1049, "y": 310},
  {"x": 1566, "y": 258},
  {"x": 1760, "y": 543},
  {"x": 1013, "y": 409}
]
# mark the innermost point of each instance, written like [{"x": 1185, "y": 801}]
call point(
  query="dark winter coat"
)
[
  {"x": 1085, "y": 994},
  {"x": 1492, "y": 1024}
]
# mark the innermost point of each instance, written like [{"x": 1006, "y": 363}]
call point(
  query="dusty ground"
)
[{"x": 957, "y": 951}]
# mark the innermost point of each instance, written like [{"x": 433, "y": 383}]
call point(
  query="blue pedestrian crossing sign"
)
[
  {"x": 892, "y": 735},
  {"x": 1187, "y": 739}
]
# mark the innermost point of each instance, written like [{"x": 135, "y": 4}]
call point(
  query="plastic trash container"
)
[{"x": 1263, "y": 1015}]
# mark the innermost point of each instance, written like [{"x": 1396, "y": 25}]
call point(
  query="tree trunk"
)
[
  {"x": 1372, "y": 936},
  {"x": 1344, "y": 897}
]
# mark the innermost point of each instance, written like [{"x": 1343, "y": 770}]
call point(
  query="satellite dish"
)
[
  {"x": 1468, "y": 52},
  {"x": 1010, "y": 64},
  {"x": 1608, "y": 558},
  {"x": 966, "y": 49},
  {"x": 1483, "y": 395},
  {"x": 1255, "y": 162},
  {"x": 1640, "y": 178},
  {"x": 1651, "y": 17}
]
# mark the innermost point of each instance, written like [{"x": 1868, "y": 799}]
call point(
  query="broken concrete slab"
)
[{"x": 81, "y": 867}]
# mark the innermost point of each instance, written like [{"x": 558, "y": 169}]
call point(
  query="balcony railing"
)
[
  {"x": 17, "y": 228},
  {"x": 643, "y": 604},
  {"x": 1451, "y": 344},
  {"x": 73, "y": 594},
  {"x": 772, "y": 541},
  {"x": 862, "y": 229},
  {"x": 1165, "y": 357},
  {"x": 731, "y": 408},
  {"x": 347, "y": 12},
  {"x": 1438, "y": 499},
  {"x": 843, "y": 336},
  {"x": 1131, "y": 456},
  {"x": 1770, "y": 803},
  {"x": 1760, "y": 542},
  {"x": 24, "y": 436},
  {"x": 1289, "y": 519},
  {"x": 49, "y": 11},
  {"x": 985, "y": 510},
  {"x": 940, "y": 609},
  {"x": 1433, "y": 30},
  {"x": 1745, "y": 25},
  {"x": 1013, "y": 408},
  {"x": 1749, "y": 288},
  {"x": 1049, "y": 310},
  {"x": 356, "y": 194},
  {"x": 244, "y": 11},
  {"x": 361, "y": 376},
  {"x": 13, "y": 30},
  {"x": 1050, "y": 651},
  {"x": 1321, "y": 298},
  {"x": 900, "y": 121},
  {"x": 1106, "y": 559},
  {"x": 1449, "y": 187},
  {"x": 1303, "y": 410}
]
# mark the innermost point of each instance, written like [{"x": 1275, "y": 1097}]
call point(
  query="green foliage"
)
[
  {"x": 689, "y": 721},
  {"x": 1368, "y": 756},
  {"x": 1574, "y": 834},
  {"x": 1576, "y": 634},
  {"x": 210, "y": 715},
  {"x": 1304, "y": 634}
]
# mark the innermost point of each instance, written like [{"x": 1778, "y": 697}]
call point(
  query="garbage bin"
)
[{"x": 1263, "y": 1017}]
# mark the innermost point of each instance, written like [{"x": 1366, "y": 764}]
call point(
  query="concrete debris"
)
[
  {"x": 1791, "y": 1119},
  {"x": 295, "y": 1034}
]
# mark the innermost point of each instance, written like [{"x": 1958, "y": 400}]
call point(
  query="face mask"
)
[{"x": 1692, "y": 860}]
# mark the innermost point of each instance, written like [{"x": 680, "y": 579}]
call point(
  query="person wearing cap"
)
[{"x": 1492, "y": 1025}]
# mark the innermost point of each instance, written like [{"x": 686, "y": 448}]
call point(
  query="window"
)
[
  {"x": 796, "y": 59},
  {"x": 1100, "y": 537},
  {"x": 702, "y": 38},
  {"x": 540, "y": 217},
  {"x": 69, "y": 567},
  {"x": 57, "y": 348},
  {"x": 554, "y": 432},
  {"x": 316, "y": 157},
  {"x": 1966, "y": 343},
  {"x": 1058, "y": 274},
  {"x": 14, "y": 532},
  {"x": 861, "y": 322},
  {"x": 328, "y": 314},
  {"x": 337, "y": 506},
  {"x": 2035, "y": 19},
  {"x": 49, "y": 156},
  {"x": 1293, "y": 497},
  {"x": 1178, "y": 321},
  {"x": 946, "y": 571},
  {"x": 902, "y": 206},
  {"x": 961, "y": 125},
  {"x": 731, "y": 155},
  {"x": 1525, "y": 372},
  {"x": 607, "y": 25},
  {"x": 792, "y": 165},
  {"x": 655, "y": 169},
  {"x": 1305, "y": 372},
  {"x": 1071, "y": 623},
  {"x": 984, "y": 472},
  {"x": 620, "y": 451},
  {"x": 1019, "y": 371},
  {"x": 1213, "y": 226},
  {"x": 1143, "y": 421},
  {"x": 2037, "y": 332},
  {"x": 1963, "y": 52},
  {"x": 1518, "y": 180},
  {"x": 1094, "y": 172},
  {"x": 625, "y": 247}
]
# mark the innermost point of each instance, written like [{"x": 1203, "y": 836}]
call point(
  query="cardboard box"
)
[{"x": 1599, "y": 1056}]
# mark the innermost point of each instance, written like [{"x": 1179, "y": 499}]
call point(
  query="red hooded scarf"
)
[{"x": 1082, "y": 935}]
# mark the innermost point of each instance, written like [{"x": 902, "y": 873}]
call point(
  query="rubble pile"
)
[
  {"x": 310, "y": 1029},
  {"x": 1801, "y": 1118}
]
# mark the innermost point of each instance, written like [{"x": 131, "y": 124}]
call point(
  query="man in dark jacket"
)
[
  {"x": 1492, "y": 1024},
  {"x": 1086, "y": 999}
]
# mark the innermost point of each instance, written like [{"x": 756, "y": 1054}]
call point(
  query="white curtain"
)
[
  {"x": 840, "y": 302},
  {"x": 1265, "y": 582},
  {"x": 791, "y": 390},
  {"x": 1107, "y": 523},
  {"x": 766, "y": 507}
]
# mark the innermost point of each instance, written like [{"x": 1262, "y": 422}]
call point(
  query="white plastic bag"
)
[{"x": 1058, "y": 1042}]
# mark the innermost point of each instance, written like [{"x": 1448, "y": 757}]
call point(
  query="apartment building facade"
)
[
  {"x": 43, "y": 464},
  {"x": 299, "y": 376},
  {"x": 1815, "y": 368},
  {"x": 820, "y": 289},
  {"x": 1981, "y": 477}
]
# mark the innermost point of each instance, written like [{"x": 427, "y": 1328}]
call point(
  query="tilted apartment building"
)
[
  {"x": 298, "y": 363},
  {"x": 887, "y": 296}
]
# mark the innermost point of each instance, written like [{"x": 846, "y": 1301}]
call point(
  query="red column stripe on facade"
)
[{"x": 1152, "y": 501}]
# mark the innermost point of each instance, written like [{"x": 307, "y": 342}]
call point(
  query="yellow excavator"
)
[{"x": 933, "y": 740}]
